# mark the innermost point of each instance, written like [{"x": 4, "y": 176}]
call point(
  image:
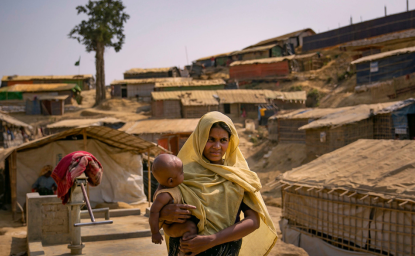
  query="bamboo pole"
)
[
  {"x": 13, "y": 177},
  {"x": 85, "y": 149},
  {"x": 149, "y": 177}
]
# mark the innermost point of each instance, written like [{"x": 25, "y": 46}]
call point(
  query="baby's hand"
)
[{"x": 157, "y": 238}]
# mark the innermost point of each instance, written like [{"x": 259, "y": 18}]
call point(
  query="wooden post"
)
[
  {"x": 149, "y": 177},
  {"x": 13, "y": 177},
  {"x": 85, "y": 149}
]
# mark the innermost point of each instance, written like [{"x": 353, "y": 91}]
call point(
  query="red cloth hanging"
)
[{"x": 73, "y": 165}]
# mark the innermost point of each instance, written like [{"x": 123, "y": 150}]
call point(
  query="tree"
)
[{"x": 104, "y": 28}]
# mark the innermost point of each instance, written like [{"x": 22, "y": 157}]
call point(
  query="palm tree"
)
[{"x": 104, "y": 28}]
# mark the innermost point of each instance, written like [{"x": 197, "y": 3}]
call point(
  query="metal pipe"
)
[
  {"x": 93, "y": 223},
  {"x": 87, "y": 203}
]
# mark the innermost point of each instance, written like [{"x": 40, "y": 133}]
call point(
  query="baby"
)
[{"x": 168, "y": 171}]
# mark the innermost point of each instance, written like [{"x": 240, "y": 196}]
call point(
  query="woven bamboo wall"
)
[
  {"x": 351, "y": 221},
  {"x": 288, "y": 131},
  {"x": 383, "y": 127},
  {"x": 338, "y": 137},
  {"x": 197, "y": 111},
  {"x": 394, "y": 88},
  {"x": 166, "y": 109}
]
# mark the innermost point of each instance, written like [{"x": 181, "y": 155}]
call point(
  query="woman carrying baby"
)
[{"x": 219, "y": 184}]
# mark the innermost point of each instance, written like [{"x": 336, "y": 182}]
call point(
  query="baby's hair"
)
[{"x": 223, "y": 126}]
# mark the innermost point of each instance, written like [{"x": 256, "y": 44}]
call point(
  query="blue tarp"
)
[{"x": 387, "y": 68}]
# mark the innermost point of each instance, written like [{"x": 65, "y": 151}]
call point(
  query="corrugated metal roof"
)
[
  {"x": 38, "y": 87},
  {"x": 262, "y": 61},
  {"x": 382, "y": 168},
  {"x": 13, "y": 121},
  {"x": 170, "y": 126},
  {"x": 151, "y": 80},
  {"x": 199, "y": 97},
  {"x": 27, "y": 78},
  {"x": 147, "y": 70},
  {"x": 191, "y": 83},
  {"x": 384, "y": 55},
  {"x": 281, "y": 38},
  {"x": 71, "y": 123},
  {"x": 254, "y": 49},
  {"x": 215, "y": 56}
]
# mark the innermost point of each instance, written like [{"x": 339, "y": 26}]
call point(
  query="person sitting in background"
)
[{"x": 45, "y": 185}]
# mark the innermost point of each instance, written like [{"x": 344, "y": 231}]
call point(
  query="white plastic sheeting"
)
[{"x": 122, "y": 178}]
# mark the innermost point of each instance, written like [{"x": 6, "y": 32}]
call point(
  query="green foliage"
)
[
  {"x": 344, "y": 75},
  {"x": 329, "y": 79},
  {"x": 105, "y": 25},
  {"x": 295, "y": 88},
  {"x": 313, "y": 98}
]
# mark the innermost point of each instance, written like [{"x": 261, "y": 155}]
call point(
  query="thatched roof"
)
[
  {"x": 147, "y": 70},
  {"x": 38, "y": 87},
  {"x": 164, "y": 126},
  {"x": 215, "y": 56},
  {"x": 384, "y": 55},
  {"x": 262, "y": 61},
  {"x": 27, "y": 78},
  {"x": 71, "y": 123},
  {"x": 255, "y": 49},
  {"x": 382, "y": 168},
  {"x": 200, "y": 83},
  {"x": 13, "y": 121},
  {"x": 151, "y": 80},
  {"x": 281, "y": 38}
]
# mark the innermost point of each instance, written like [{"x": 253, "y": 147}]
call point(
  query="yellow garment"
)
[
  {"x": 218, "y": 190},
  {"x": 174, "y": 193},
  {"x": 262, "y": 111}
]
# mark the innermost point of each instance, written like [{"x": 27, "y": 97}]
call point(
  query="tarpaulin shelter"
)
[
  {"x": 357, "y": 200},
  {"x": 119, "y": 153},
  {"x": 385, "y": 66},
  {"x": 85, "y": 82},
  {"x": 67, "y": 124},
  {"x": 140, "y": 73}
]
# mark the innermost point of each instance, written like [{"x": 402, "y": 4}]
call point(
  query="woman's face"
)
[{"x": 216, "y": 145}]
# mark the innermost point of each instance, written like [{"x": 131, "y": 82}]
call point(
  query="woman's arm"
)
[{"x": 197, "y": 244}]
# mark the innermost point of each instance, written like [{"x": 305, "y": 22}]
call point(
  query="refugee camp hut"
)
[
  {"x": 68, "y": 124},
  {"x": 287, "y": 100},
  {"x": 13, "y": 131},
  {"x": 32, "y": 92},
  {"x": 84, "y": 82},
  {"x": 357, "y": 200},
  {"x": 234, "y": 102},
  {"x": 183, "y": 104},
  {"x": 341, "y": 127},
  {"x": 141, "y": 73},
  {"x": 262, "y": 68},
  {"x": 214, "y": 84},
  {"x": 284, "y": 127},
  {"x": 119, "y": 153},
  {"x": 311, "y": 61},
  {"x": 385, "y": 66},
  {"x": 259, "y": 52},
  {"x": 171, "y": 134},
  {"x": 295, "y": 39},
  {"x": 396, "y": 121},
  {"x": 141, "y": 88},
  {"x": 218, "y": 60}
]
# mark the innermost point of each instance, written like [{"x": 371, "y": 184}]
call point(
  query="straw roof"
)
[
  {"x": 347, "y": 116},
  {"x": 28, "y": 78},
  {"x": 262, "y": 61},
  {"x": 215, "y": 56},
  {"x": 190, "y": 83},
  {"x": 151, "y": 80},
  {"x": 104, "y": 134},
  {"x": 53, "y": 97},
  {"x": 165, "y": 126},
  {"x": 226, "y": 96},
  {"x": 38, "y": 87},
  {"x": 384, "y": 55},
  {"x": 13, "y": 121},
  {"x": 382, "y": 168},
  {"x": 147, "y": 70},
  {"x": 281, "y": 38},
  {"x": 255, "y": 49},
  {"x": 71, "y": 123},
  {"x": 308, "y": 113}
]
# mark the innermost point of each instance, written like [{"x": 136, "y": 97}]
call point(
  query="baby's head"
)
[{"x": 168, "y": 170}]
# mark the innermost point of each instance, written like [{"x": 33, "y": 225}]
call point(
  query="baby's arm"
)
[{"x": 160, "y": 201}]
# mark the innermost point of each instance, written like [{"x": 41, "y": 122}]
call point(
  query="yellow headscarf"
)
[{"x": 218, "y": 190}]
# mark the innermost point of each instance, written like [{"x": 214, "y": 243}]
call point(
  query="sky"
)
[{"x": 34, "y": 34}]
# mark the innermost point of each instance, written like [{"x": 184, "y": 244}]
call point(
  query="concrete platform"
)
[{"x": 136, "y": 246}]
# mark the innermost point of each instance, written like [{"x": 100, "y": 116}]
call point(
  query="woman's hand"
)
[
  {"x": 197, "y": 244},
  {"x": 176, "y": 212}
]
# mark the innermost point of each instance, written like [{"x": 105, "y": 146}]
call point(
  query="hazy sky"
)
[{"x": 34, "y": 41}]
